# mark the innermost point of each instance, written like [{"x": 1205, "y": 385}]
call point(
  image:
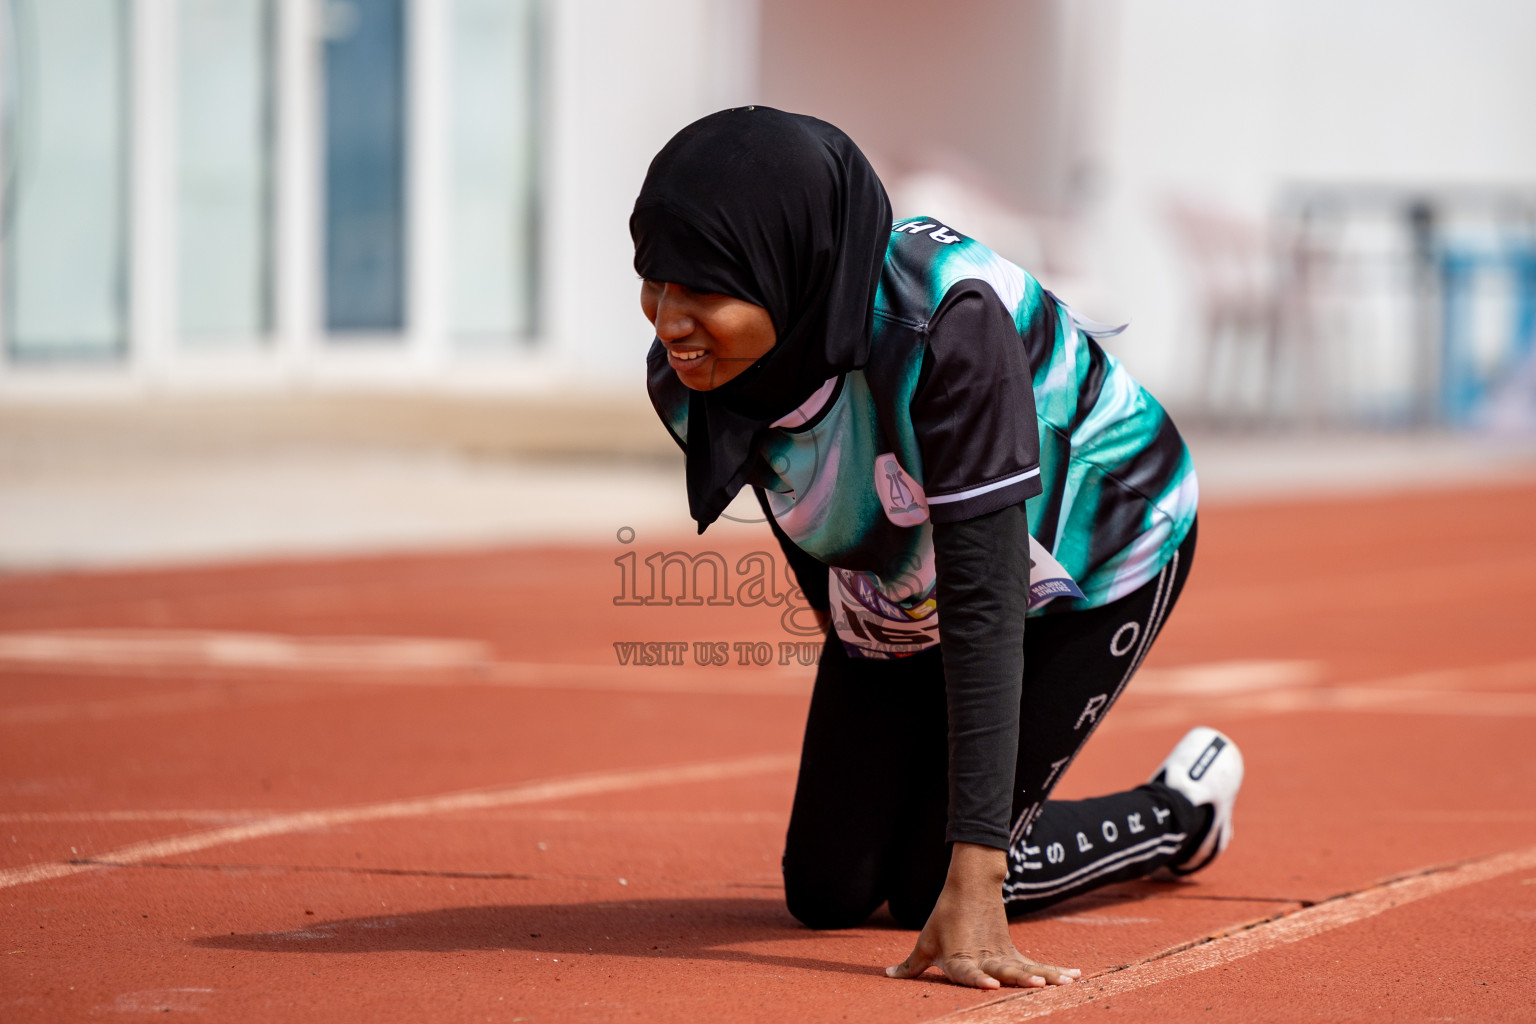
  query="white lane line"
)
[
  {"x": 771, "y": 680},
  {"x": 133, "y": 650},
  {"x": 1368, "y": 699},
  {"x": 1499, "y": 675},
  {"x": 411, "y": 661},
  {"x": 546, "y": 814},
  {"x": 1218, "y": 678},
  {"x": 215, "y": 695},
  {"x": 1225, "y": 948},
  {"x": 1459, "y": 816},
  {"x": 1418, "y": 702},
  {"x": 163, "y": 648},
  {"x": 1234, "y": 687},
  {"x": 189, "y": 814},
  {"x": 1102, "y": 921},
  {"x": 313, "y": 821},
  {"x": 205, "y": 698}
]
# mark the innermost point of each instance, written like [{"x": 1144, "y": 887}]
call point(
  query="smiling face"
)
[{"x": 710, "y": 339}]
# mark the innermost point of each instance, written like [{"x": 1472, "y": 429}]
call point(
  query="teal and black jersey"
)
[{"x": 982, "y": 390}]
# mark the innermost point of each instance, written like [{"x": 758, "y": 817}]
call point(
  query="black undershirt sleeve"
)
[
  {"x": 974, "y": 413},
  {"x": 982, "y": 566}
]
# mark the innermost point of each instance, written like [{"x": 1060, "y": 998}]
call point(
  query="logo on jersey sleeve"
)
[
  {"x": 932, "y": 228},
  {"x": 901, "y": 497}
]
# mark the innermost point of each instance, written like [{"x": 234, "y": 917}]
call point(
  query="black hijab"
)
[{"x": 781, "y": 210}]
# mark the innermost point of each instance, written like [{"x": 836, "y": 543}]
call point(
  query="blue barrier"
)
[{"x": 1463, "y": 385}]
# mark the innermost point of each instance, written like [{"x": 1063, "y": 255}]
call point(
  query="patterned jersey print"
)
[{"x": 1113, "y": 498}]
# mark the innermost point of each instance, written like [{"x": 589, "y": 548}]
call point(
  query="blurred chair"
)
[{"x": 1230, "y": 260}]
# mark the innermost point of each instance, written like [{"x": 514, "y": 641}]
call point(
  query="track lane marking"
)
[
  {"x": 764, "y": 882},
  {"x": 210, "y": 697},
  {"x": 1262, "y": 687},
  {"x": 372, "y": 660},
  {"x": 227, "y": 816},
  {"x": 1365, "y": 699},
  {"x": 163, "y": 648},
  {"x": 1220, "y": 678},
  {"x": 1225, "y": 947},
  {"x": 1499, "y": 675},
  {"x": 1277, "y": 684},
  {"x": 215, "y": 694},
  {"x": 314, "y": 821},
  {"x": 106, "y": 816}
]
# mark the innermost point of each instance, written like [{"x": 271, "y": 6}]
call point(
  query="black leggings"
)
[{"x": 871, "y": 803}]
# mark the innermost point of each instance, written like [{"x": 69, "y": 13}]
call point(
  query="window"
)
[
  {"x": 493, "y": 177},
  {"x": 224, "y": 171},
  {"x": 65, "y": 247},
  {"x": 364, "y": 147}
]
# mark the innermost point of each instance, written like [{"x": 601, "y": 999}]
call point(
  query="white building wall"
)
[
  {"x": 626, "y": 77},
  {"x": 1228, "y": 102},
  {"x": 618, "y": 79},
  {"x": 1134, "y": 102}
]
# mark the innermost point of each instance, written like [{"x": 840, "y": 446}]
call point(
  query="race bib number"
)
[{"x": 871, "y": 625}]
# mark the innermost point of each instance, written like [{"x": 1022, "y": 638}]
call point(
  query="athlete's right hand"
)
[{"x": 967, "y": 934}]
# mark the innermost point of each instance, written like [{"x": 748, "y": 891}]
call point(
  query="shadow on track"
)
[{"x": 670, "y": 929}]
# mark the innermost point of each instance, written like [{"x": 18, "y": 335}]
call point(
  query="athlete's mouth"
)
[{"x": 687, "y": 355}]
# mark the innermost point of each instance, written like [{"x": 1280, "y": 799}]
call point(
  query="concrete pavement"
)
[{"x": 168, "y": 482}]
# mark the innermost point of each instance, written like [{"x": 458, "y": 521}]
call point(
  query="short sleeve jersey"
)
[{"x": 982, "y": 391}]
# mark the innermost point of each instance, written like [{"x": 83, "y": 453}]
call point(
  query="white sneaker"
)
[{"x": 1207, "y": 768}]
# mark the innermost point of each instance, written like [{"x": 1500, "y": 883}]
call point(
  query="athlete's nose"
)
[{"x": 673, "y": 321}]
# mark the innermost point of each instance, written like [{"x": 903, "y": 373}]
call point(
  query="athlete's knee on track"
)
[
  {"x": 911, "y": 908},
  {"x": 826, "y": 910},
  {"x": 819, "y": 900}
]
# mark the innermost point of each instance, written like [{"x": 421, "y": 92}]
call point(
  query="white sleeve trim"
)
[
  {"x": 942, "y": 499},
  {"x": 808, "y": 409}
]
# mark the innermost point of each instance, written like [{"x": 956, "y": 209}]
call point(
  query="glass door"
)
[{"x": 364, "y": 138}]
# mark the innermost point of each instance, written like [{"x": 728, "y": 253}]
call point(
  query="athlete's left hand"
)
[{"x": 967, "y": 934}]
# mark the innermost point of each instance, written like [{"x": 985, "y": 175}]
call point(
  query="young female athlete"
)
[{"x": 943, "y": 450}]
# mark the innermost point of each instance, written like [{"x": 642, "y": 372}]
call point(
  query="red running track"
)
[{"x": 424, "y": 788}]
